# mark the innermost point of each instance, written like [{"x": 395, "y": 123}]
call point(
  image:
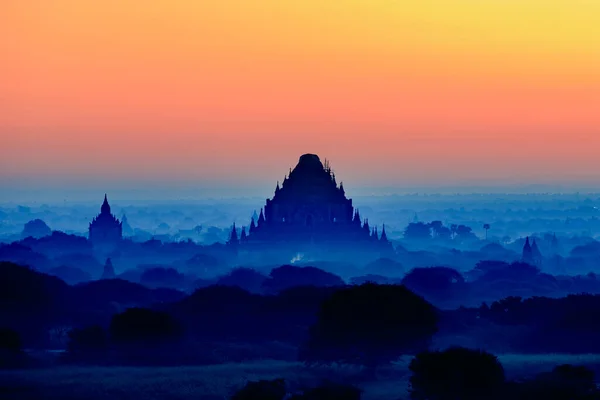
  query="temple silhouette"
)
[
  {"x": 105, "y": 230},
  {"x": 308, "y": 211}
]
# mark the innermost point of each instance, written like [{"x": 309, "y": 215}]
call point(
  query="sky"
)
[{"x": 138, "y": 93}]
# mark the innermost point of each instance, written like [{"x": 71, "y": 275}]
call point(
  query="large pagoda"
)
[
  {"x": 310, "y": 207},
  {"x": 105, "y": 229}
]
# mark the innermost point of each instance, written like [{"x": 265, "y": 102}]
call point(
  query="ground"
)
[{"x": 220, "y": 381}]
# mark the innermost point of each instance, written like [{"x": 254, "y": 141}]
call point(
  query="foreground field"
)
[{"x": 220, "y": 381}]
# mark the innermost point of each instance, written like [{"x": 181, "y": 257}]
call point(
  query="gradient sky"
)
[{"x": 393, "y": 92}]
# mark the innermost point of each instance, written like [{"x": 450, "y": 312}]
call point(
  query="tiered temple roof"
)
[
  {"x": 309, "y": 206},
  {"x": 105, "y": 229}
]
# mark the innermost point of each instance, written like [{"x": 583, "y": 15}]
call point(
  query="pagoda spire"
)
[
  {"x": 109, "y": 270},
  {"x": 243, "y": 236},
  {"x": 536, "y": 253},
  {"x": 527, "y": 252},
  {"x": 252, "y": 225},
  {"x": 233, "y": 238},
  {"x": 105, "y": 209},
  {"x": 261, "y": 218},
  {"x": 383, "y": 235},
  {"x": 357, "y": 219},
  {"x": 277, "y": 188}
]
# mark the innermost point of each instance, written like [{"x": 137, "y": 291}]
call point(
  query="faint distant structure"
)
[
  {"x": 127, "y": 229},
  {"x": 105, "y": 229},
  {"x": 109, "y": 270},
  {"x": 537, "y": 254},
  {"x": 384, "y": 237},
  {"x": 36, "y": 229},
  {"x": 487, "y": 228},
  {"x": 554, "y": 245},
  {"x": 531, "y": 253},
  {"x": 453, "y": 230},
  {"x": 233, "y": 238},
  {"x": 527, "y": 255}
]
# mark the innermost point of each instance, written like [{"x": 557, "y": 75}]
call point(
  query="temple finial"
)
[{"x": 105, "y": 209}]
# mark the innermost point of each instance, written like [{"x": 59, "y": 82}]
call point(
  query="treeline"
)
[
  {"x": 322, "y": 321},
  {"x": 455, "y": 373}
]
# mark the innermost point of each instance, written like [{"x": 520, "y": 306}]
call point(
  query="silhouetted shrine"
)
[
  {"x": 105, "y": 229},
  {"x": 310, "y": 207}
]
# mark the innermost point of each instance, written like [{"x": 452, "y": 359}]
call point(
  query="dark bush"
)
[
  {"x": 435, "y": 283},
  {"x": 9, "y": 340},
  {"x": 565, "y": 382},
  {"x": 289, "y": 276},
  {"x": 70, "y": 275},
  {"x": 262, "y": 390},
  {"x": 87, "y": 343},
  {"x": 245, "y": 278},
  {"x": 330, "y": 391},
  {"x": 370, "y": 324},
  {"x": 137, "y": 325},
  {"x": 379, "y": 279},
  {"x": 162, "y": 277},
  {"x": 11, "y": 354},
  {"x": 456, "y": 373}
]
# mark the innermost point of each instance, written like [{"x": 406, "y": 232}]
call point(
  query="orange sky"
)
[{"x": 391, "y": 91}]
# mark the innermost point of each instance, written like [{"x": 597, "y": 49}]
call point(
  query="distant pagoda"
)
[
  {"x": 105, "y": 229},
  {"x": 310, "y": 207}
]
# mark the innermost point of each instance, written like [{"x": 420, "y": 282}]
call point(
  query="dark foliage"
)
[
  {"x": 123, "y": 292},
  {"x": 162, "y": 277},
  {"x": 31, "y": 301},
  {"x": 566, "y": 325},
  {"x": 144, "y": 326},
  {"x": 417, "y": 231},
  {"x": 386, "y": 267},
  {"x": 328, "y": 391},
  {"x": 203, "y": 261},
  {"x": 436, "y": 283},
  {"x": 262, "y": 390},
  {"x": 11, "y": 354},
  {"x": 90, "y": 344},
  {"x": 378, "y": 279},
  {"x": 231, "y": 313},
  {"x": 456, "y": 373},
  {"x": 516, "y": 271},
  {"x": 370, "y": 324},
  {"x": 565, "y": 382},
  {"x": 288, "y": 276},
  {"x": 23, "y": 255},
  {"x": 245, "y": 278},
  {"x": 59, "y": 243},
  {"x": 27, "y": 289},
  {"x": 70, "y": 275},
  {"x": 36, "y": 228},
  {"x": 9, "y": 340},
  {"x": 92, "y": 338}
]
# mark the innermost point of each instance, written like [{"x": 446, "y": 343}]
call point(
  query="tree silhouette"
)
[
  {"x": 263, "y": 390},
  {"x": 370, "y": 325},
  {"x": 456, "y": 373},
  {"x": 487, "y": 228}
]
